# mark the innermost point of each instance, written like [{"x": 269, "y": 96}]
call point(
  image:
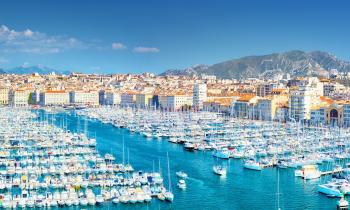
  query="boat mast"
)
[
  {"x": 123, "y": 149},
  {"x": 169, "y": 180},
  {"x": 278, "y": 189},
  {"x": 128, "y": 156}
]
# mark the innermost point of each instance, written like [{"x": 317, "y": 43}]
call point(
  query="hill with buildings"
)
[{"x": 294, "y": 63}]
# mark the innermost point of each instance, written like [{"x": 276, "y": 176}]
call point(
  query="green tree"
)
[{"x": 31, "y": 99}]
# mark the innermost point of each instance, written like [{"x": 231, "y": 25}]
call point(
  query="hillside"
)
[{"x": 296, "y": 63}]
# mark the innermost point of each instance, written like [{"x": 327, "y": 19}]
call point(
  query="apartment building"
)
[
  {"x": 242, "y": 106},
  {"x": 54, "y": 98},
  {"x": 265, "y": 89},
  {"x": 19, "y": 98},
  {"x": 302, "y": 99},
  {"x": 144, "y": 100},
  {"x": 4, "y": 96},
  {"x": 175, "y": 102},
  {"x": 128, "y": 99},
  {"x": 90, "y": 98},
  {"x": 346, "y": 114},
  {"x": 199, "y": 95},
  {"x": 112, "y": 98}
]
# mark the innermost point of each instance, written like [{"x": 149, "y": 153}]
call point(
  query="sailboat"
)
[
  {"x": 219, "y": 170},
  {"x": 181, "y": 174},
  {"x": 181, "y": 184},
  {"x": 169, "y": 196}
]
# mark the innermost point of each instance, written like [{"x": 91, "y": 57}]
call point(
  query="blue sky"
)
[{"x": 153, "y": 36}]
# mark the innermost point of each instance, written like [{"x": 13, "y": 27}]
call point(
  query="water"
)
[{"x": 241, "y": 189}]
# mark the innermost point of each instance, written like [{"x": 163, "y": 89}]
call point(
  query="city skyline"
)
[{"x": 134, "y": 37}]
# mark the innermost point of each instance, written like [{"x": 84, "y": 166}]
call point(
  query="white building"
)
[
  {"x": 84, "y": 98},
  {"x": 332, "y": 88},
  {"x": 175, "y": 102},
  {"x": 19, "y": 97},
  {"x": 199, "y": 95},
  {"x": 299, "y": 105},
  {"x": 264, "y": 109},
  {"x": 318, "y": 116},
  {"x": 112, "y": 98},
  {"x": 346, "y": 115},
  {"x": 307, "y": 96},
  {"x": 54, "y": 98}
]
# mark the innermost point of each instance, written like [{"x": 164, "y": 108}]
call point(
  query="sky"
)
[{"x": 155, "y": 35}]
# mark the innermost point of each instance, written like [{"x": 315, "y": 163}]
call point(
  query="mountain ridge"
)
[{"x": 295, "y": 63}]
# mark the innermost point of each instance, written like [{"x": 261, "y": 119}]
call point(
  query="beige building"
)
[
  {"x": 4, "y": 96},
  {"x": 266, "y": 108},
  {"x": 241, "y": 105},
  {"x": 19, "y": 97},
  {"x": 84, "y": 98},
  {"x": 54, "y": 98}
]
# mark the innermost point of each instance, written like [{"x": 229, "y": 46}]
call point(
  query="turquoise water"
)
[{"x": 241, "y": 189}]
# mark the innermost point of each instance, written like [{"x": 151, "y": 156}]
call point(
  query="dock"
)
[{"x": 335, "y": 171}]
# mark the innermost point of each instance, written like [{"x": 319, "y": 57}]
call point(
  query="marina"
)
[
  {"x": 174, "y": 105},
  {"x": 191, "y": 173},
  {"x": 43, "y": 165},
  {"x": 265, "y": 158}
]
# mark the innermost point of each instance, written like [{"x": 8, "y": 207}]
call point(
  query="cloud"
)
[
  {"x": 29, "y": 41},
  {"x": 118, "y": 46},
  {"x": 146, "y": 50},
  {"x": 28, "y": 32}
]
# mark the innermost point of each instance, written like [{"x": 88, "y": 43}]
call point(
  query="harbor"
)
[
  {"x": 83, "y": 159},
  {"x": 43, "y": 165},
  {"x": 237, "y": 174}
]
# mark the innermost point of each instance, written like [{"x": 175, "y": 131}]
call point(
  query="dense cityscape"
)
[
  {"x": 317, "y": 101},
  {"x": 175, "y": 105}
]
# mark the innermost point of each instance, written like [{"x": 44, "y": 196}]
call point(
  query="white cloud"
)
[
  {"x": 28, "y": 32},
  {"x": 146, "y": 49},
  {"x": 118, "y": 46},
  {"x": 29, "y": 41}
]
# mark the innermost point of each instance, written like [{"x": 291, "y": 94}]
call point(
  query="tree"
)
[{"x": 31, "y": 99}]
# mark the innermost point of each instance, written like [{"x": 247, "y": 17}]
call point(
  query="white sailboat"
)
[
  {"x": 169, "y": 196},
  {"x": 181, "y": 184},
  {"x": 219, "y": 170}
]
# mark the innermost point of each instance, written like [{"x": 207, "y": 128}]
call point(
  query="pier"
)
[{"x": 335, "y": 171}]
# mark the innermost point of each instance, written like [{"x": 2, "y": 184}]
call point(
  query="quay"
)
[{"x": 335, "y": 171}]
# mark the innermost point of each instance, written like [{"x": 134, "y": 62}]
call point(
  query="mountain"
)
[
  {"x": 193, "y": 70},
  {"x": 34, "y": 69},
  {"x": 295, "y": 63}
]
